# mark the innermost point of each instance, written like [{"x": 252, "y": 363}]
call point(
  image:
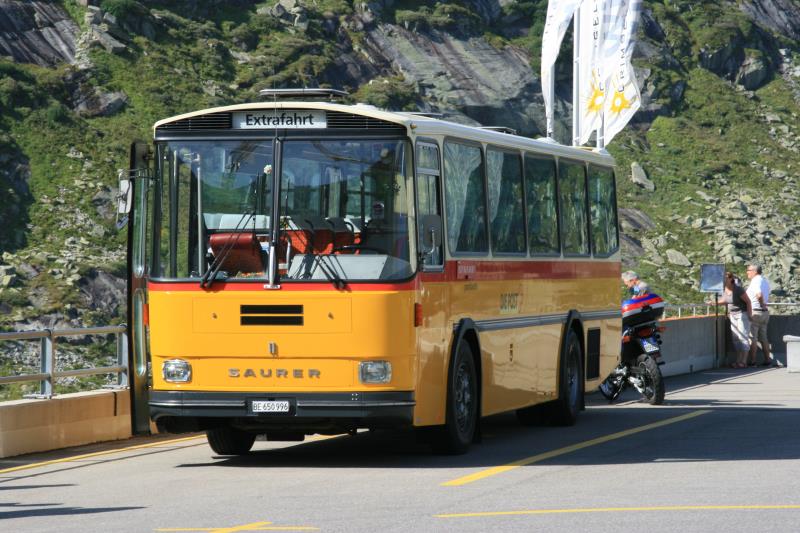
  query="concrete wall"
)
[
  {"x": 28, "y": 426},
  {"x": 778, "y": 327},
  {"x": 692, "y": 344}
]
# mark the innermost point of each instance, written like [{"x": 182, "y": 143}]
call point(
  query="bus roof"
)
[{"x": 419, "y": 123}]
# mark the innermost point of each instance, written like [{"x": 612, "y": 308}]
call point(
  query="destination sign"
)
[{"x": 280, "y": 119}]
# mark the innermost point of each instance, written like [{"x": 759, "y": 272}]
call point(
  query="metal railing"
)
[
  {"x": 687, "y": 310},
  {"x": 48, "y": 356},
  {"x": 707, "y": 309}
]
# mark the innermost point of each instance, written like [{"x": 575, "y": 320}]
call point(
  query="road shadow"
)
[
  {"x": 726, "y": 430},
  {"x": 60, "y": 511}
]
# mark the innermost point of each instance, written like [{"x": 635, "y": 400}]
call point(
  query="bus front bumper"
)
[{"x": 191, "y": 410}]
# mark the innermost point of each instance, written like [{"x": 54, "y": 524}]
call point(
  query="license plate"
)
[
  {"x": 649, "y": 346},
  {"x": 269, "y": 406}
]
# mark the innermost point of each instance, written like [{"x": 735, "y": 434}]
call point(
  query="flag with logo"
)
[
  {"x": 623, "y": 98},
  {"x": 593, "y": 28},
  {"x": 559, "y": 15}
]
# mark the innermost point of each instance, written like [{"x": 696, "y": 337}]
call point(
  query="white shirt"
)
[{"x": 758, "y": 285}]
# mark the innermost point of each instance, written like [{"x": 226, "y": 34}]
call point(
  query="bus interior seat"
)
[
  {"x": 244, "y": 254},
  {"x": 300, "y": 239},
  {"x": 321, "y": 233},
  {"x": 343, "y": 232}
]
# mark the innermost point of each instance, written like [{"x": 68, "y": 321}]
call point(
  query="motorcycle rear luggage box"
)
[{"x": 642, "y": 309}]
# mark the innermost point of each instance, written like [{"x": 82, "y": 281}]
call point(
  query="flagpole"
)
[
  {"x": 601, "y": 131},
  {"x": 551, "y": 92},
  {"x": 576, "y": 121}
]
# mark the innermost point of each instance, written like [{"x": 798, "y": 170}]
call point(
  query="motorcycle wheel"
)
[{"x": 653, "y": 380}]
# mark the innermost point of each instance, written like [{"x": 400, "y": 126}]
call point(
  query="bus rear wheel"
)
[
  {"x": 230, "y": 441},
  {"x": 570, "y": 383},
  {"x": 455, "y": 437}
]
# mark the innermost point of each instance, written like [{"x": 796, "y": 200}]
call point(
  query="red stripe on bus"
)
[
  {"x": 194, "y": 286},
  {"x": 457, "y": 270},
  {"x": 472, "y": 270}
]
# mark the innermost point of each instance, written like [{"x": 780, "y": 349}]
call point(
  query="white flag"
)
[
  {"x": 591, "y": 78},
  {"x": 559, "y": 15},
  {"x": 623, "y": 97}
]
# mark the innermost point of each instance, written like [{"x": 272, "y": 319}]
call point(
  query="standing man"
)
[
  {"x": 758, "y": 291},
  {"x": 636, "y": 286}
]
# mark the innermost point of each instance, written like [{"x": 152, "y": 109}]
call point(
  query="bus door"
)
[
  {"x": 138, "y": 358},
  {"x": 433, "y": 337}
]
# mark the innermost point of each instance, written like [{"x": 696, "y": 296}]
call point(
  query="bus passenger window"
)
[
  {"x": 541, "y": 202},
  {"x": 572, "y": 192},
  {"x": 505, "y": 189},
  {"x": 465, "y": 199},
  {"x": 602, "y": 211}
]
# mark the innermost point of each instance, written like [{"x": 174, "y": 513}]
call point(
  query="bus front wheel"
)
[
  {"x": 456, "y": 435},
  {"x": 230, "y": 441}
]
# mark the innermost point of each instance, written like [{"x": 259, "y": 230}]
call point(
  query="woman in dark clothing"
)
[{"x": 739, "y": 313}]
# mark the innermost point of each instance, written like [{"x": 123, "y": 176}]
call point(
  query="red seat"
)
[{"x": 244, "y": 254}]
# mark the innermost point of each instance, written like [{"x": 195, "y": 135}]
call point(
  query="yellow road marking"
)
[
  {"x": 255, "y": 526},
  {"x": 621, "y": 509},
  {"x": 98, "y": 454},
  {"x": 568, "y": 449}
]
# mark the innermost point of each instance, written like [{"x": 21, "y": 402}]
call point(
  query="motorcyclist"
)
[
  {"x": 635, "y": 286},
  {"x": 613, "y": 384}
]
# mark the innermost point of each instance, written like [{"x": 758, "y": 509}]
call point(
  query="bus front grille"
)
[{"x": 271, "y": 315}]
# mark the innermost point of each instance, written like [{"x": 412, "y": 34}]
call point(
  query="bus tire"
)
[
  {"x": 570, "y": 383},
  {"x": 230, "y": 441},
  {"x": 455, "y": 437}
]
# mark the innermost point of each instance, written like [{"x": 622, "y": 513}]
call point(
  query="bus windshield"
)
[{"x": 343, "y": 210}]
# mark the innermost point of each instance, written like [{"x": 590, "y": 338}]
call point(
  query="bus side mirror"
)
[
  {"x": 430, "y": 234},
  {"x": 124, "y": 199}
]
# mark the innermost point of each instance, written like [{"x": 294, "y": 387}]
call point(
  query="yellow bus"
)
[{"x": 301, "y": 266}]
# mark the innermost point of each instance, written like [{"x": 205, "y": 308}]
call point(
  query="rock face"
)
[
  {"x": 484, "y": 84},
  {"x": 639, "y": 177},
  {"x": 38, "y": 32},
  {"x": 101, "y": 290},
  {"x": 14, "y": 174},
  {"x": 783, "y": 15},
  {"x": 90, "y": 101}
]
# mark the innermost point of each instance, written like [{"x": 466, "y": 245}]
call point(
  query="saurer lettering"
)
[{"x": 296, "y": 373}]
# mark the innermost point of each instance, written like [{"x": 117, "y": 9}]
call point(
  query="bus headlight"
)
[
  {"x": 375, "y": 371},
  {"x": 176, "y": 371}
]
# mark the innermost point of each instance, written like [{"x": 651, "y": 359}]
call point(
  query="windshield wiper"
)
[
  {"x": 330, "y": 271},
  {"x": 213, "y": 269}
]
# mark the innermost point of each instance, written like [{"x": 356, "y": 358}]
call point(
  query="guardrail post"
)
[
  {"x": 48, "y": 365},
  {"x": 122, "y": 359}
]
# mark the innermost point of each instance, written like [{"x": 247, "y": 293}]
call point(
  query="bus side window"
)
[
  {"x": 541, "y": 205},
  {"x": 572, "y": 193},
  {"x": 465, "y": 199},
  {"x": 506, "y": 218},
  {"x": 602, "y": 212},
  {"x": 429, "y": 210}
]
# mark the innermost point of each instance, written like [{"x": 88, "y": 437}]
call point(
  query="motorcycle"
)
[{"x": 640, "y": 356}]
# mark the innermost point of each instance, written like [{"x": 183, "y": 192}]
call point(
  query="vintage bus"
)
[{"x": 301, "y": 266}]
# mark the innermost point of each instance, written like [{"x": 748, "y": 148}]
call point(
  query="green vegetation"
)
[{"x": 388, "y": 93}]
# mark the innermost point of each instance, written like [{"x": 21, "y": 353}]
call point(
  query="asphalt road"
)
[{"x": 722, "y": 454}]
